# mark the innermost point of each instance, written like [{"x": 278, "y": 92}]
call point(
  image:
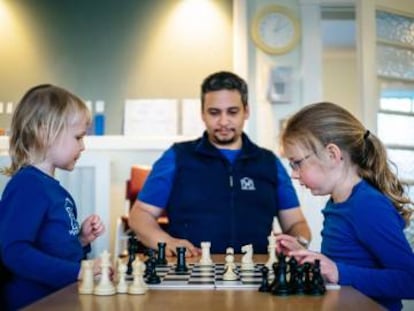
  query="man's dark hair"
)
[{"x": 224, "y": 80}]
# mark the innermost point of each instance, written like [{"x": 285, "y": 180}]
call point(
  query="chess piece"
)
[
  {"x": 205, "y": 254},
  {"x": 229, "y": 251},
  {"x": 317, "y": 287},
  {"x": 275, "y": 226},
  {"x": 307, "y": 277},
  {"x": 281, "y": 287},
  {"x": 161, "y": 260},
  {"x": 132, "y": 250},
  {"x": 181, "y": 265},
  {"x": 247, "y": 263},
  {"x": 105, "y": 286},
  {"x": 298, "y": 286},
  {"x": 271, "y": 249},
  {"x": 152, "y": 277},
  {"x": 229, "y": 269},
  {"x": 264, "y": 286},
  {"x": 138, "y": 286},
  {"x": 293, "y": 278},
  {"x": 87, "y": 282},
  {"x": 122, "y": 286}
]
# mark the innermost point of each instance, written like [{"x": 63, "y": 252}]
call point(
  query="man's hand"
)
[{"x": 172, "y": 244}]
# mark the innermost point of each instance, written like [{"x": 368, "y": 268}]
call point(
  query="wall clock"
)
[{"x": 275, "y": 30}]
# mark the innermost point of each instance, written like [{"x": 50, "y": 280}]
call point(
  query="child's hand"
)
[
  {"x": 286, "y": 243},
  {"x": 91, "y": 228},
  {"x": 329, "y": 270}
]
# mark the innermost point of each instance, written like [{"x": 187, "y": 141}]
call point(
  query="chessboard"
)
[{"x": 206, "y": 277}]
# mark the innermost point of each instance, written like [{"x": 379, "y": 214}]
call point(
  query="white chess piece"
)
[
  {"x": 271, "y": 249},
  {"x": 105, "y": 286},
  {"x": 230, "y": 269},
  {"x": 87, "y": 282},
  {"x": 247, "y": 259},
  {"x": 122, "y": 286},
  {"x": 205, "y": 254},
  {"x": 229, "y": 251},
  {"x": 138, "y": 286},
  {"x": 275, "y": 226}
]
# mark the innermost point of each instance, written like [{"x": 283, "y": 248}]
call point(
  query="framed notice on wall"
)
[{"x": 150, "y": 117}]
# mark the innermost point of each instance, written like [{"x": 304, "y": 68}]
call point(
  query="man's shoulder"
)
[{"x": 184, "y": 145}]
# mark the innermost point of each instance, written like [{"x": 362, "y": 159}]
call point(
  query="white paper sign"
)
[
  {"x": 192, "y": 124},
  {"x": 150, "y": 117}
]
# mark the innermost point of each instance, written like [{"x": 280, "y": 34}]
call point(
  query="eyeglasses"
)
[{"x": 295, "y": 165}]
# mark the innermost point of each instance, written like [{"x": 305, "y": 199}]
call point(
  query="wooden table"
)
[{"x": 68, "y": 299}]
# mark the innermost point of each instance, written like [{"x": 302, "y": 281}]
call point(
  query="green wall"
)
[{"x": 112, "y": 50}]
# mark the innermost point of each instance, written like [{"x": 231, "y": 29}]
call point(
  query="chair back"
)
[{"x": 134, "y": 185}]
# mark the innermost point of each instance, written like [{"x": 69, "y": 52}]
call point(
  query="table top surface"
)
[{"x": 346, "y": 298}]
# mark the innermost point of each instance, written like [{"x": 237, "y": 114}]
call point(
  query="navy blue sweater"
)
[
  {"x": 364, "y": 236},
  {"x": 39, "y": 242}
]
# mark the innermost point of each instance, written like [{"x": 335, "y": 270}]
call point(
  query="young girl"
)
[
  {"x": 41, "y": 242},
  {"x": 363, "y": 244}
]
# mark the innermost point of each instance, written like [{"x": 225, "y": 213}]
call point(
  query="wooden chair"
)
[{"x": 134, "y": 185}]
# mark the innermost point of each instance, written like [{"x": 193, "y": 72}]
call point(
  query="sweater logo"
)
[
  {"x": 247, "y": 183},
  {"x": 74, "y": 225}
]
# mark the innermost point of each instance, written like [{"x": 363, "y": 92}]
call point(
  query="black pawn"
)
[
  {"x": 161, "y": 260},
  {"x": 317, "y": 287},
  {"x": 299, "y": 284},
  {"x": 293, "y": 264},
  {"x": 307, "y": 282},
  {"x": 181, "y": 265},
  {"x": 264, "y": 287}
]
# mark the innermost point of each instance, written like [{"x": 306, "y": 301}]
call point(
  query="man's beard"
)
[{"x": 225, "y": 141}]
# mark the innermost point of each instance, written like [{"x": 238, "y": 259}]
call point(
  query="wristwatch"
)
[{"x": 302, "y": 241}]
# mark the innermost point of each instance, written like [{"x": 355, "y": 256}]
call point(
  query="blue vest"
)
[{"x": 230, "y": 205}]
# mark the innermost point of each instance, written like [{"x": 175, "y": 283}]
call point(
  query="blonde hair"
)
[
  {"x": 41, "y": 115},
  {"x": 324, "y": 123}
]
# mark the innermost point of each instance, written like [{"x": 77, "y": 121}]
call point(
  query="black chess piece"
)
[
  {"x": 152, "y": 277},
  {"x": 132, "y": 250},
  {"x": 161, "y": 259},
  {"x": 281, "y": 286},
  {"x": 293, "y": 264},
  {"x": 275, "y": 267},
  {"x": 307, "y": 284},
  {"x": 181, "y": 266},
  {"x": 264, "y": 286},
  {"x": 317, "y": 287},
  {"x": 149, "y": 252},
  {"x": 298, "y": 285}
]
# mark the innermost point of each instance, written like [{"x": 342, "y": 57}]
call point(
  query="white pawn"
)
[
  {"x": 105, "y": 286},
  {"x": 271, "y": 248},
  {"x": 229, "y": 269},
  {"x": 205, "y": 254},
  {"x": 247, "y": 259},
  {"x": 138, "y": 286},
  {"x": 87, "y": 282},
  {"x": 122, "y": 286}
]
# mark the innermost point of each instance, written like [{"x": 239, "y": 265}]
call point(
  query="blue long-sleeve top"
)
[
  {"x": 39, "y": 241},
  {"x": 364, "y": 236}
]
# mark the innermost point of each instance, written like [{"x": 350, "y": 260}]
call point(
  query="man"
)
[{"x": 220, "y": 188}]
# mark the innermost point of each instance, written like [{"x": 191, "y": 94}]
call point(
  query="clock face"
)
[{"x": 275, "y": 30}]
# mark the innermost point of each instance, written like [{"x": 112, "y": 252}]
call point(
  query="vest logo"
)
[{"x": 247, "y": 183}]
